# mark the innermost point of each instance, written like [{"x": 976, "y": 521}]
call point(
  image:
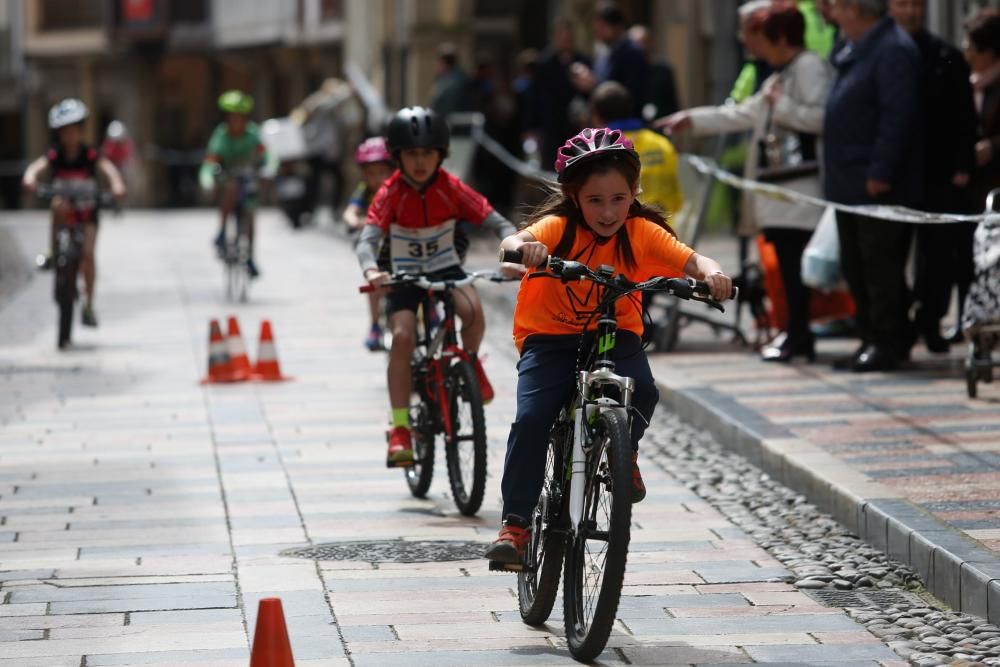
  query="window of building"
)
[
  {"x": 188, "y": 11},
  {"x": 61, "y": 15},
  {"x": 330, "y": 10}
]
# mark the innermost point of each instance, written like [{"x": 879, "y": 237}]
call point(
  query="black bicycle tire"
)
[
  {"x": 537, "y": 588},
  {"x": 419, "y": 475},
  {"x": 467, "y": 500},
  {"x": 65, "y": 294},
  {"x": 586, "y": 642}
]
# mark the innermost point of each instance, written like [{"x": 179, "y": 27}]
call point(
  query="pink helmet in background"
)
[
  {"x": 593, "y": 143},
  {"x": 372, "y": 150}
]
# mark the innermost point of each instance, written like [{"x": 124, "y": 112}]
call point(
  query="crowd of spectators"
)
[{"x": 853, "y": 101}]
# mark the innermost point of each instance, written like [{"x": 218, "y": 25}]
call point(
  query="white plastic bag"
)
[{"x": 821, "y": 258}]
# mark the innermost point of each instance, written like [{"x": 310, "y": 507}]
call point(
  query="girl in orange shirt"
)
[{"x": 596, "y": 219}]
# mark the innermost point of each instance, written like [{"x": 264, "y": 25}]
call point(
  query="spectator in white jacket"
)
[{"x": 786, "y": 119}]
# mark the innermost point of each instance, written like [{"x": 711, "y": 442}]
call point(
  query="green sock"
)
[{"x": 401, "y": 417}]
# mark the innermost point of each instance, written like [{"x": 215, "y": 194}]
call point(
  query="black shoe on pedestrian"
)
[
  {"x": 252, "y": 269},
  {"x": 788, "y": 349},
  {"x": 847, "y": 363},
  {"x": 876, "y": 358}
]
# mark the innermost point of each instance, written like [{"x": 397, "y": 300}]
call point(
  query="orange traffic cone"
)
[
  {"x": 220, "y": 368},
  {"x": 270, "y": 638},
  {"x": 237, "y": 352},
  {"x": 267, "y": 368}
]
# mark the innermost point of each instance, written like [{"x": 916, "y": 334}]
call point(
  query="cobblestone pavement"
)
[{"x": 144, "y": 515}]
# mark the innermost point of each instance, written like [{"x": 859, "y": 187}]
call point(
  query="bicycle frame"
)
[
  {"x": 589, "y": 401},
  {"x": 441, "y": 345}
]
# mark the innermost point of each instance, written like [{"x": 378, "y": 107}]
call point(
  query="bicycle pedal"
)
[
  {"x": 497, "y": 566},
  {"x": 399, "y": 464}
]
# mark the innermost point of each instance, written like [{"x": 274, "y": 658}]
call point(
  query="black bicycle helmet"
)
[{"x": 417, "y": 127}]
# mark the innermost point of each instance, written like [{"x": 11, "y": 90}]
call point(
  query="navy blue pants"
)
[{"x": 545, "y": 378}]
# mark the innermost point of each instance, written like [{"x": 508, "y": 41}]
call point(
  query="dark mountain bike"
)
[
  {"x": 445, "y": 398},
  {"x": 82, "y": 195},
  {"x": 581, "y": 523}
]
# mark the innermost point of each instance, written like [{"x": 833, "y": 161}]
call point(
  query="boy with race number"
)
[
  {"x": 412, "y": 228},
  {"x": 595, "y": 219}
]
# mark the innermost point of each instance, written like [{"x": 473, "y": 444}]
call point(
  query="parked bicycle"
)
[
  {"x": 82, "y": 195},
  {"x": 445, "y": 399},
  {"x": 235, "y": 251},
  {"x": 581, "y": 523}
]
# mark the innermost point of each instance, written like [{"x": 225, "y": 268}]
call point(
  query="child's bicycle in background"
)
[
  {"x": 445, "y": 399},
  {"x": 582, "y": 521},
  {"x": 68, "y": 251},
  {"x": 235, "y": 249}
]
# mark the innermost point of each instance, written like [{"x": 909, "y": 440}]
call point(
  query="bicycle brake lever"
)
[{"x": 710, "y": 302}]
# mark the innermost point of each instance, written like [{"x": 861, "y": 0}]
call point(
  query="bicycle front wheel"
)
[
  {"x": 466, "y": 450},
  {"x": 595, "y": 559},
  {"x": 65, "y": 293},
  {"x": 418, "y": 475},
  {"x": 538, "y": 581}
]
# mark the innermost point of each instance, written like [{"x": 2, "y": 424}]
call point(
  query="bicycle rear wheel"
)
[
  {"x": 418, "y": 475},
  {"x": 595, "y": 559},
  {"x": 466, "y": 453},
  {"x": 538, "y": 582},
  {"x": 243, "y": 257}
]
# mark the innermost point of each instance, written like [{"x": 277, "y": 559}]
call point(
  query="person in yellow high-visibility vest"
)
[{"x": 611, "y": 106}]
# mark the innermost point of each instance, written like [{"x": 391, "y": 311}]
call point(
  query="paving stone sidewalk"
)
[
  {"x": 144, "y": 515},
  {"x": 905, "y": 459}
]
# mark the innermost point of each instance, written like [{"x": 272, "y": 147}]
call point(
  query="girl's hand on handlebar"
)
[
  {"x": 377, "y": 278},
  {"x": 29, "y": 185},
  {"x": 720, "y": 284},
  {"x": 533, "y": 253}
]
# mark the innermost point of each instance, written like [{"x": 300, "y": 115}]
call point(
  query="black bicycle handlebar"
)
[
  {"x": 555, "y": 267},
  {"x": 104, "y": 198},
  {"x": 423, "y": 282}
]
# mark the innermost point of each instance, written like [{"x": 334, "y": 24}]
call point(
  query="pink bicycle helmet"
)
[
  {"x": 372, "y": 150},
  {"x": 593, "y": 143}
]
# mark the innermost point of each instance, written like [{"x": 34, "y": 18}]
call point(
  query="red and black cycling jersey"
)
[{"x": 83, "y": 167}]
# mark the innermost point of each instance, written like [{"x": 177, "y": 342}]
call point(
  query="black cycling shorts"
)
[{"x": 408, "y": 297}]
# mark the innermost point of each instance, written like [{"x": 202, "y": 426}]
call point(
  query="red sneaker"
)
[
  {"x": 485, "y": 388},
  {"x": 511, "y": 543},
  {"x": 638, "y": 487},
  {"x": 400, "y": 448}
]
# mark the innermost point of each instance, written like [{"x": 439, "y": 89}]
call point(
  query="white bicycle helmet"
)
[{"x": 67, "y": 112}]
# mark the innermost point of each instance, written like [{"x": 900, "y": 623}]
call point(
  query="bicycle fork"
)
[{"x": 586, "y": 413}]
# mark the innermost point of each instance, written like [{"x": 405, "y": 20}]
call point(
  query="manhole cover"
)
[
  {"x": 392, "y": 551},
  {"x": 873, "y": 598}
]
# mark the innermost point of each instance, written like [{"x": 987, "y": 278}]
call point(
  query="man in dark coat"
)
[
  {"x": 944, "y": 252},
  {"x": 872, "y": 156},
  {"x": 623, "y": 61},
  {"x": 552, "y": 117}
]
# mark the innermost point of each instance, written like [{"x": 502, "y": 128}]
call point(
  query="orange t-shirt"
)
[{"x": 547, "y": 306}]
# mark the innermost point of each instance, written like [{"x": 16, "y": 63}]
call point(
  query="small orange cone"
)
[
  {"x": 267, "y": 368},
  {"x": 220, "y": 367},
  {"x": 270, "y": 638},
  {"x": 237, "y": 352}
]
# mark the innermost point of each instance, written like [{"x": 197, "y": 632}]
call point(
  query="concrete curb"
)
[{"x": 955, "y": 568}]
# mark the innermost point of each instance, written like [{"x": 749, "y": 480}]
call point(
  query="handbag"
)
[
  {"x": 785, "y": 155},
  {"x": 821, "y": 257}
]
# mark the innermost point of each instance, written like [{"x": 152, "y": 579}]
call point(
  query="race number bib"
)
[{"x": 423, "y": 250}]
